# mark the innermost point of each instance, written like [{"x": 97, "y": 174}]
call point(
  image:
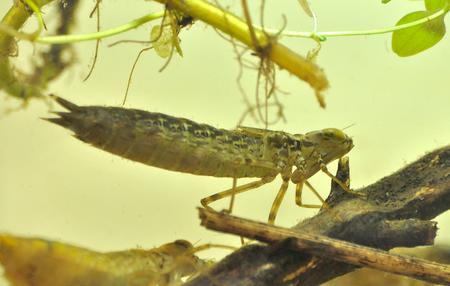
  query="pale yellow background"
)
[{"x": 54, "y": 186}]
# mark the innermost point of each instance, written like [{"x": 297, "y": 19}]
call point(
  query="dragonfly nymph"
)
[{"x": 183, "y": 145}]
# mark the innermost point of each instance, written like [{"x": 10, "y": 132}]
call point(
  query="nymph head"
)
[{"x": 331, "y": 143}]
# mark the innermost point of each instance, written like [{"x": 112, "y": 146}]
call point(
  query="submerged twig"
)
[{"x": 335, "y": 249}]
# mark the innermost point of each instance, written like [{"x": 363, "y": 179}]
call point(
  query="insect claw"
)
[
  {"x": 226, "y": 211},
  {"x": 205, "y": 204}
]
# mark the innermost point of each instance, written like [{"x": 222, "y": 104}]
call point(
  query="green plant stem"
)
[
  {"x": 199, "y": 9},
  {"x": 66, "y": 39},
  {"x": 15, "y": 18},
  {"x": 37, "y": 12},
  {"x": 323, "y": 35},
  {"x": 239, "y": 29}
]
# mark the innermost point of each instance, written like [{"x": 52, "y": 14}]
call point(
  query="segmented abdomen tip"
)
[
  {"x": 64, "y": 103},
  {"x": 58, "y": 120}
]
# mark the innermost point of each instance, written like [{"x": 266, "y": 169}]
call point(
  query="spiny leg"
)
[
  {"x": 233, "y": 195},
  {"x": 324, "y": 169},
  {"x": 298, "y": 196},
  {"x": 277, "y": 202},
  {"x": 234, "y": 191},
  {"x": 230, "y": 207},
  {"x": 207, "y": 246}
]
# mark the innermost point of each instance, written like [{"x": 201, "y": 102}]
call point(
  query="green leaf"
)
[
  {"x": 434, "y": 5},
  {"x": 411, "y": 41},
  {"x": 385, "y": 1}
]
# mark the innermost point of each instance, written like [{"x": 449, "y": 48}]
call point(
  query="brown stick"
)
[{"x": 328, "y": 247}]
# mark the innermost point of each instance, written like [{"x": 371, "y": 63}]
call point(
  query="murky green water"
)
[{"x": 54, "y": 186}]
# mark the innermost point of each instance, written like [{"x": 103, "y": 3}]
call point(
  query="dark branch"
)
[
  {"x": 324, "y": 246},
  {"x": 393, "y": 212}
]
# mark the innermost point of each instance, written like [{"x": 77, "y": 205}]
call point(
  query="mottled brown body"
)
[
  {"x": 166, "y": 142},
  {"x": 183, "y": 145}
]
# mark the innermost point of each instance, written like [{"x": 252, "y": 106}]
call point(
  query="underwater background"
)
[{"x": 57, "y": 187}]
